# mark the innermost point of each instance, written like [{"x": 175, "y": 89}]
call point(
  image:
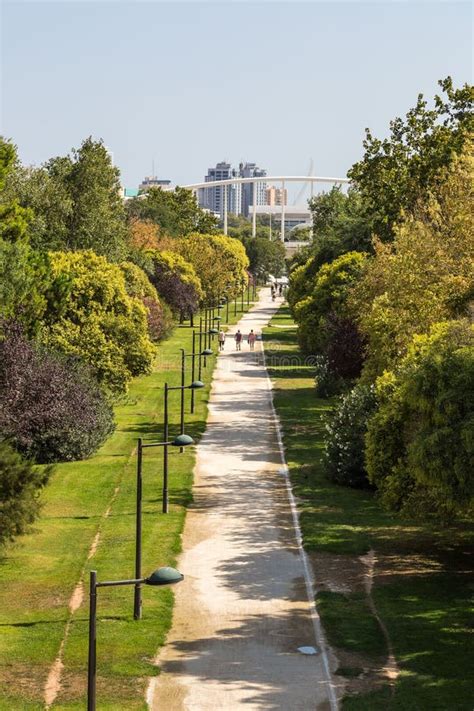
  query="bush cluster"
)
[
  {"x": 346, "y": 430},
  {"x": 20, "y": 485},
  {"x": 420, "y": 441},
  {"x": 51, "y": 409}
]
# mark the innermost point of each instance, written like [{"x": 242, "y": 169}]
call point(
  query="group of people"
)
[
  {"x": 275, "y": 288},
  {"x": 238, "y": 338}
]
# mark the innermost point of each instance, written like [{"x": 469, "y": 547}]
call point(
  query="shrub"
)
[
  {"x": 420, "y": 442},
  {"x": 159, "y": 316},
  {"x": 51, "y": 407},
  {"x": 176, "y": 282},
  {"x": 325, "y": 382},
  {"x": 20, "y": 485},
  {"x": 344, "y": 456},
  {"x": 345, "y": 347},
  {"x": 327, "y": 301},
  {"x": 98, "y": 321}
]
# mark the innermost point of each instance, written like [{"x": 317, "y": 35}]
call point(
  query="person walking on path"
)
[
  {"x": 238, "y": 341},
  {"x": 251, "y": 338},
  {"x": 221, "y": 339}
]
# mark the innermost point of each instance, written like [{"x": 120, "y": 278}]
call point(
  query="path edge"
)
[{"x": 308, "y": 572}]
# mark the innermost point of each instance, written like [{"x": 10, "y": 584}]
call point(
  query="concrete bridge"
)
[{"x": 282, "y": 179}]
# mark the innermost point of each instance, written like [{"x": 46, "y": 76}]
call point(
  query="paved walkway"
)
[{"x": 242, "y": 611}]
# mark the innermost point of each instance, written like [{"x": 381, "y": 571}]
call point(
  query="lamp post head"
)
[
  {"x": 217, "y": 318},
  {"x": 196, "y": 385},
  {"x": 164, "y": 576},
  {"x": 182, "y": 440},
  {"x": 213, "y": 330},
  {"x": 207, "y": 352}
]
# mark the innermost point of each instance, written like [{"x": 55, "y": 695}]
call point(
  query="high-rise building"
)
[
  {"x": 240, "y": 196},
  {"x": 276, "y": 196},
  {"x": 213, "y": 198},
  {"x": 251, "y": 170}
]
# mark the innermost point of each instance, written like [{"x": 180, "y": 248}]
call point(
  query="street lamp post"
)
[
  {"x": 201, "y": 355},
  {"x": 195, "y": 385},
  {"x": 180, "y": 441},
  {"x": 203, "y": 352},
  {"x": 161, "y": 576}
]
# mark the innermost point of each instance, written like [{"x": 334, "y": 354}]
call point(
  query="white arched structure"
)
[{"x": 282, "y": 179}]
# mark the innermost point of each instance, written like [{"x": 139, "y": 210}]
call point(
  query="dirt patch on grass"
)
[
  {"x": 338, "y": 573},
  {"x": 74, "y": 688},
  {"x": 361, "y": 674},
  {"x": 26, "y": 680},
  {"x": 346, "y": 575}
]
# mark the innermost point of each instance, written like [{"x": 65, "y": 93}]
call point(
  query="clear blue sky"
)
[{"x": 189, "y": 84}]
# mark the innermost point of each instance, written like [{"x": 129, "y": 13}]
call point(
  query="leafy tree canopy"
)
[
  {"x": 219, "y": 261},
  {"x": 265, "y": 256},
  {"x": 98, "y": 321},
  {"x": 327, "y": 299},
  {"x": 340, "y": 224},
  {"x": 24, "y": 273},
  {"x": 401, "y": 170},
  {"x": 419, "y": 443},
  {"x": 176, "y": 282},
  {"x": 426, "y": 275},
  {"x": 175, "y": 212},
  {"x": 75, "y": 202}
]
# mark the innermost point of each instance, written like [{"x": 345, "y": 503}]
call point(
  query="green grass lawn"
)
[
  {"x": 40, "y": 571},
  {"x": 421, "y": 587}
]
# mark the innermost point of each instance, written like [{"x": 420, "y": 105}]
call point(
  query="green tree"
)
[
  {"x": 340, "y": 224},
  {"x": 399, "y": 171},
  {"x": 138, "y": 285},
  {"x": 324, "y": 325},
  {"x": 75, "y": 202},
  {"x": 97, "y": 218},
  {"x": 24, "y": 273},
  {"x": 20, "y": 485},
  {"x": 176, "y": 282},
  {"x": 420, "y": 443},
  {"x": 220, "y": 262},
  {"x": 176, "y": 212},
  {"x": 241, "y": 227},
  {"x": 265, "y": 256},
  {"x": 425, "y": 275},
  {"x": 98, "y": 321},
  {"x": 44, "y": 191}
]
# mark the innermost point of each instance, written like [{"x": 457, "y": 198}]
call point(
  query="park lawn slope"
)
[
  {"x": 420, "y": 593},
  {"x": 93, "y": 501}
]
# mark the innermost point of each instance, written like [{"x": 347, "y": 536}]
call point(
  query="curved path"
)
[{"x": 242, "y": 611}]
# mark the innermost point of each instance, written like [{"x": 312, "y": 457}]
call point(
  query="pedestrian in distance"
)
[
  {"x": 221, "y": 339},
  {"x": 238, "y": 341},
  {"x": 251, "y": 338},
  {"x": 280, "y": 290}
]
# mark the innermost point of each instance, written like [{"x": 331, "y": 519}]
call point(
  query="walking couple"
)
[{"x": 251, "y": 338}]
